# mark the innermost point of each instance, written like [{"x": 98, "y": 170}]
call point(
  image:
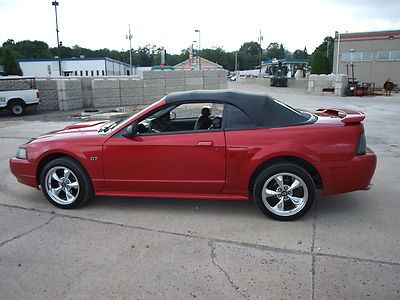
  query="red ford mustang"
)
[{"x": 204, "y": 144}]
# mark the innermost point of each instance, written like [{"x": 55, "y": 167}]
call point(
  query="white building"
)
[{"x": 93, "y": 66}]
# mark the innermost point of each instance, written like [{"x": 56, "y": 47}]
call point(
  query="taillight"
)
[
  {"x": 37, "y": 95},
  {"x": 361, "y": 148}
]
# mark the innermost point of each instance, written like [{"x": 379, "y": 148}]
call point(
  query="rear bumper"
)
[
  {"x": 24, "y": 171},
  {"x": 348, "y": 176}
]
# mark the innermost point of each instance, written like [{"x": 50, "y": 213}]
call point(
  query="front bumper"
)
[
  {"x": 24, "y": 171},
  {"x": 348, "y": 176}
]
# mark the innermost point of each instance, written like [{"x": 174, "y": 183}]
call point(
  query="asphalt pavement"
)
[{"x": 346, "y": 247}]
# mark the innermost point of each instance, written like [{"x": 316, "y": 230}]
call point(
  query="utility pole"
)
[
  {"x": 236, "y": 67},
  {"x": 337, "y": 54},
  {"x": 260, "y": 39},
  {"x": 55, "y": 4},
  {"x": 129, "y": 37},
  {"x": 198, "y": 44}
]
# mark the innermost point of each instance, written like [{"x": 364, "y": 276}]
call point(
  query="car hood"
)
[{"x": 84, "y": 129}]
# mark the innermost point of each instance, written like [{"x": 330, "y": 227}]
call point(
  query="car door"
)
[{"x": 177, "y": 162}]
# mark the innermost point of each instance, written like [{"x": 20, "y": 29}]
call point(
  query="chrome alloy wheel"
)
[
  {"x": 284, "y": 194},
  {"x": 62, "y": 185}
]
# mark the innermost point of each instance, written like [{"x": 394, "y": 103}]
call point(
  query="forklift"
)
[{"x": 279, "y": 77}]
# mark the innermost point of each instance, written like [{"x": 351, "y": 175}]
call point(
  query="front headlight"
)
[{"x": 22, "y": 153}]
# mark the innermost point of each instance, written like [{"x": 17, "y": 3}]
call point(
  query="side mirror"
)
[{"x": 130, "y": 131}]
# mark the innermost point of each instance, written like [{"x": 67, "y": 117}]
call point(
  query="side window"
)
[
  {"x": 194, "y": 110},
  {"x": 236, "y": 118},
  {"x": 187, "y": 117},
  {"x": 198, "y": 116}
]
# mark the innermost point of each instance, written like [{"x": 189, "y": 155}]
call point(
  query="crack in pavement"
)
[
  {"x": 209, "y": 239},
  {"x": 15, "y": 137},
  {"x": 314, "y": 229},
  {"x": 28, "y": 231},
  {"x": 213, "y": 256}
]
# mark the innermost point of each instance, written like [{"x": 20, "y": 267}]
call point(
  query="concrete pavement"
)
[{"x": 347, "y": 247}]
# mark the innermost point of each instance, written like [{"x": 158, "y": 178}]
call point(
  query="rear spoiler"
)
[{"x": 346, "y": 115}]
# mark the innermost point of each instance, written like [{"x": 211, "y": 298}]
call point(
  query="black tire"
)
[
  {"x": 77, "y": 177},
  {"x": 17, "y": 107},
  {"x": 280, "y": 206}
]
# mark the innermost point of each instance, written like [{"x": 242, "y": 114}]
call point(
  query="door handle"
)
[{"x": 205, "y": 144}]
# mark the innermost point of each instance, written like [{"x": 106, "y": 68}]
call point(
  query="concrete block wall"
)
[
  {"x": 174, "y": 81},
  {"x": 66, "y": 93},
  {"x": 153, "y": 86},
  {"x": 48, "y": 93},
  {"x": 13, "y": 85},
  {"x": 298, "y": 83},
  {"x": 105, "y": 92},
  {"x": 317, "y": 83},
  {"x": 131, "y": 91},
  {"x": 69, "y": 93},
  {"x": 341, "y": 84}
]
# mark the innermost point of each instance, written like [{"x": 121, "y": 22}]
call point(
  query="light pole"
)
[
  {"x": 195, "y": 53},
  {"x": 260, "y": 39},
  {"x": 337, "y": 54},
  {"x": 129, "y": 37},
  {"x": 55, "y": 4},
  {"x": 198, "y": 44}
]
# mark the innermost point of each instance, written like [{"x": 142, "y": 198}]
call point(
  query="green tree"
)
[
  {"x": 301, "y": 54},
  {"x": 249, "y": 55},
  {"x": 9, "y": 60},
  {"x": 219, "y": 56},
  {"x": 319, "y": 63},
  {"x": 275, "y": 50},
  {"x": 327, "y": 49},
  {"x": 32, "y": 49}
]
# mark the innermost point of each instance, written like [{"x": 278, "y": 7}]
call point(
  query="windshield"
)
[
  {"x": 111, "y": 125},
  {"x": 125, "y": 120}
]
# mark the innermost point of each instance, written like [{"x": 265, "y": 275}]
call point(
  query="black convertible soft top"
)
[{"x": 261, "y": 108}]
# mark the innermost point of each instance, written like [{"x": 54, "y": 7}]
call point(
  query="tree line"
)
[{"x": 249, "y": 55}]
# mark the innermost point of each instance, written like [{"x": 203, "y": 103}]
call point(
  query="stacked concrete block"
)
[
  {"x": 298, "y": 83},
  {"x": 223, "y": 79},
  {"x": 48, "y": 93},
  {"x": 87, "y": 95},
  {"x": 153, "y": 86},
  {"x": 317, "y": 83},
  {"x": 341, "y": 82},
  {"x": 193, "y": 80},
  {"x": 69, "y": 94},
  {"x": 211, "y": 79},
  {"x": 66, "y": 93},
  {"x": 131, "y": 91},
  {"x": 310, "y": 86},
  {"x": 14, "y": 85},
  {"x": 174, "y": 81},
  {"x": 106, "y": 92}
]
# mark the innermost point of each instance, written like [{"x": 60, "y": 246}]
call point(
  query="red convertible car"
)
[{"x": 204, "y": 144}]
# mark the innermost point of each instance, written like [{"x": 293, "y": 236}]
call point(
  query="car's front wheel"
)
[
  {"x": 284, "y": 191},
  {"x": 65, "y": 183}
]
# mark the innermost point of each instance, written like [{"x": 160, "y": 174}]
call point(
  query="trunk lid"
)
[{"x": 346, "y": 116}]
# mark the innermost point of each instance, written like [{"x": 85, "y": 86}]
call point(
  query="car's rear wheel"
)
[
  {"x": 17, "y": 107},
  {"x": 284, "y": 191},
  {"x": 65, "y": 183}
]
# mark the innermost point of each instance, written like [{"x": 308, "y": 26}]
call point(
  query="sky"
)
[{"x": 172, "y": 23}]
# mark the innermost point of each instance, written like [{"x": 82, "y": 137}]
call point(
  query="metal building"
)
[
  {"x": 94, "y": 66},
  {"x": 374, "y": 56}
]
